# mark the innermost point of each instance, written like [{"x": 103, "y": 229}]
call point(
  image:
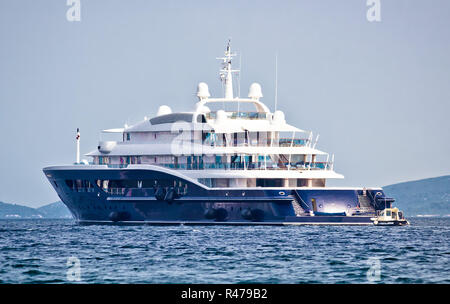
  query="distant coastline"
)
[
  {"x": 55, "y": 210},
  {"x": 428, "y": 197}
]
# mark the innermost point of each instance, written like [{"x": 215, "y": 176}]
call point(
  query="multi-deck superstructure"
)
[{"x": 229, "y": 160}]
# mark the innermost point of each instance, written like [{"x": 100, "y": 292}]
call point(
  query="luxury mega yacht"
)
[{"x": 228, "y": 160}]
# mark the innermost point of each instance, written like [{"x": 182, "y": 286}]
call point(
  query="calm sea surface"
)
[{"x": 38, "y": 251}]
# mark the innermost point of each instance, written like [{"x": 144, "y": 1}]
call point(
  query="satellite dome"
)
[
  {"x": 201, "y": 108},
  {"x": 106, "y": 146},
  {"x": 163, "y": 110},
  {"x": 221, "y": 116},
  {"x": 255, "y": 91},
  {"x": 278, "y": 117},
  {"x": 202, "y": 90}
]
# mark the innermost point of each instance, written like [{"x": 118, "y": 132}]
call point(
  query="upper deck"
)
[{"x": 213, "y": 138}]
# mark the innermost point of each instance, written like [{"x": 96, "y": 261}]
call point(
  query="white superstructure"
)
[{"x": 223, "y": 142}]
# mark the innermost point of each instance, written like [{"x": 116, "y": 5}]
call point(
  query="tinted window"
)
[{"x": 171, "y": 118}]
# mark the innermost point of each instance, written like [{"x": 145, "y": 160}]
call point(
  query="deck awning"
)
[{"x": 117, "y": 130}]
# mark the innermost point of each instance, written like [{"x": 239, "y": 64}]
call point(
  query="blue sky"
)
[{"x": 377, "y": 92}]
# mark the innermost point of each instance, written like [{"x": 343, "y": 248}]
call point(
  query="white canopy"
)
[{"x": 117, "y": 130}]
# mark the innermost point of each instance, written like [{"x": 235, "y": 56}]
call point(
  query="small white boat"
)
[{"x": 390, "y": 217}]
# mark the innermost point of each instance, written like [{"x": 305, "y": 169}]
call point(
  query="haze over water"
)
[
  {"x": 376, "y": 92},
  {"x": 36, "y": 251}
]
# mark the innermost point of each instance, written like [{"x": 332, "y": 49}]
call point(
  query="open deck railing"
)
[
  {"x": 249, "y": 166},
  {"x": 282, "y": 142},
  {"x": 245, "y": 115},
  {"x": 289, "y": 142},
  {"x": 239, "y": 166}
]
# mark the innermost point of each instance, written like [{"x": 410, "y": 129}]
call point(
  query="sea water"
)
[{"x": 61, "y": 251}]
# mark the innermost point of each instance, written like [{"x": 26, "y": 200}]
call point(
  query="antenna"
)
[
  {"x": 315, "y": 143},
  {"x": 239, "y": 81},
  {"x": 78, "y": 146},
  {"x": 276, "y": 80},
  {"x": 239, "y": 74},
  {"x": 226, "y": 71},
  {"x": 310, "y": 138}
]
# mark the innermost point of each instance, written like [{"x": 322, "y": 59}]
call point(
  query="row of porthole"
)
[
  {"x": 243, "y": 193},
  {"x": 114, "y": 207},
  {"x": 94, "y": 207},
  {"x": 226, "y": 193}
]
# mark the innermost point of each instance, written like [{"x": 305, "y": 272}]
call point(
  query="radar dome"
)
[
  {"x": 163, "y": 110},
  {"x": 255, "y": 91},
  {"x": 201, "y": 108},
  {"x": 278, "y": 117},
  {"x": 202, "y": 90},
  {"x": 221, "y": 116}
]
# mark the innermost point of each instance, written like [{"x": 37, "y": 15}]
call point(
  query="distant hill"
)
[
  {"x": 53, "y": 210},
  {"x": 429, "y": 196},
  {"x": 17, "y": 211}
]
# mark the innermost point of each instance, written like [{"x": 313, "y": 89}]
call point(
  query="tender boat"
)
[{"x": 390, "y": 217}]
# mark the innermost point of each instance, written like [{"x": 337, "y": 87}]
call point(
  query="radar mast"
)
[{"x": 226, "y": 71}]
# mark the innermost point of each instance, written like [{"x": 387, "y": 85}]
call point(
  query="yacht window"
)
[
  {"x": 69, "y": 183},
  {"x": 272, "y": 182},
  {"x": 105, "y": 184},
  {"x": 171, "y": 118},
  {"x": 79, "y": 183},
  {"x": 201, "y": 118}
]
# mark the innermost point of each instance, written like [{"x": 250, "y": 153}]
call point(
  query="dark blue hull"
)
[{"x": 164, "y": 197}]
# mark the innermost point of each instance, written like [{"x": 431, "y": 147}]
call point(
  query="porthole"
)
[
  {"x": 320, "y": 205},
  {"x": 281, "y": 193}
]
